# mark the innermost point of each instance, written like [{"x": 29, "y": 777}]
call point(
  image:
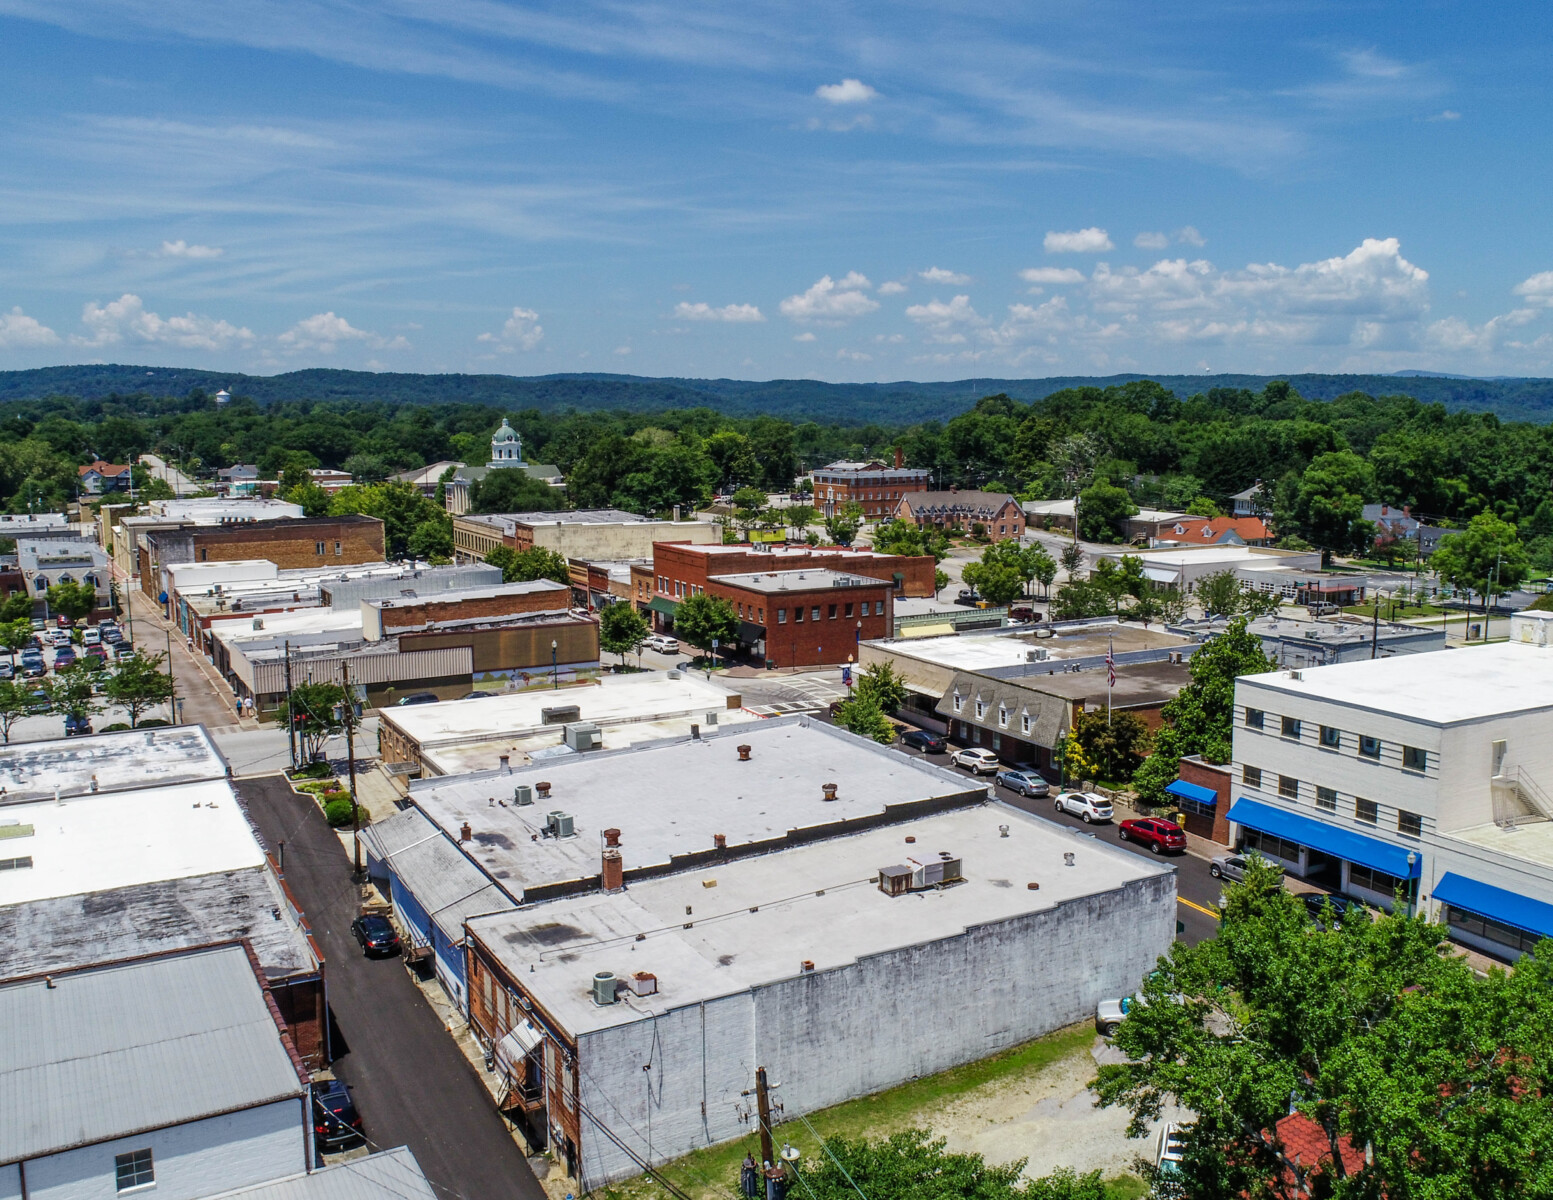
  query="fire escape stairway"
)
[{"x": 1519, "y": 799}]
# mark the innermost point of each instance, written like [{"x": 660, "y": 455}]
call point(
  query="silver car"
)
[
  {"x": 1087, "y": 806},
  {"x": 1227, "y": 866},
  {"x": 1026, "y": 783}
]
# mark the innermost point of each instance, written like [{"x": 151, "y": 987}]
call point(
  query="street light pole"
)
[
  {"x": 555, "y": 679},
  {"x": 350, "y": 752}
]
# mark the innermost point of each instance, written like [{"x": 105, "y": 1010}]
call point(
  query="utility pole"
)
[
  {"x": 291, "y": 717},
  {"x": 173, "y": 702},
  {"x": 350, "y": 751},
  {"x": 763, "y": 1112},
  {"x": 1375, "y": 625}
]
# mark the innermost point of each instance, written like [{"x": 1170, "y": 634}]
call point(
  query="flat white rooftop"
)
[
  {"x": 1012, "y": 647},
  {"x": 212, "y": 510},
  {"x": 1532, "y": 842},
  {"x": 671, "y": 798},
  {"x": 756, "y": 920},
  {"x": 345, "y": 622},
  {"x": 1463, "y": 684},
  {"x": 1192, "y": 556},
  {"x": 614, "y": 700},
  {"x": 98, "y": 843},
  {"x": 138, "y": 758}
]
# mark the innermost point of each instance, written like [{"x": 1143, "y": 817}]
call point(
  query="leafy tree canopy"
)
[
  {"x": 701, "y": 618},
  {"x": 621, "y": 629},
  {"x": 534, "y": 563}
]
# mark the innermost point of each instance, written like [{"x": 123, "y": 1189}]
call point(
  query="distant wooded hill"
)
[{"x": 897, "y": 403}]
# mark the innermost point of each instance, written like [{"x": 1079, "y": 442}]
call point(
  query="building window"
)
[
  {"x": 1288, "y": 787},
  {"x": 1369, "y": 747},
  {"x": 1255, "y": 718},
  {"x": 849, "y": 612},
  {"x": 997, "y": 742},
  {"x": 1414, "y": 759},
  {"x": 1195, "y": 806},
  {"x": 318, "y": 547},
  {"x": 798, "y": 615},
  {"x": 1024, "y": 723},
  {"x": 1270, "y": 846},
  {"x": 781, "y": 616},
  {"x": 133, "y": 1170},
  {"x": 1002, "y": 717},
  {"x": 16, "y": 864},
  {"x": 1251, "y": 776},
  {"x": 1372, "y": 880},
  {"x": 1366, "y": 810},
  {"x": 762, "y": 618},
  {"x": 1462, "y": 921},
  {"x": 976, "y": 734},
  {"x": 981, "y": 708},
  {"x": 1326, "y": 798},
  {"x": 1291, "y": 727},
  {"x": 339, "y": 549},
  {"x": 1409, "y": 824},
  {"x": 832, "y": 613},
  {"x": 1331, "y": 738},
  {"x": 959, "y": 702}
]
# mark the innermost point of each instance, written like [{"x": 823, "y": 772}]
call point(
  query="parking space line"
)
[{"x": 1189, "y": 904}]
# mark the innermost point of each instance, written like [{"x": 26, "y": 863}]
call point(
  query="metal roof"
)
[
  {"x": 389, "y": 1175},
  {"x": 446, "y": 884},
  {"x": 110, "y": 1051}
]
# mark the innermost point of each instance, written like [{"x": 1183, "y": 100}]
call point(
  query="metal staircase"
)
[{"x": 1519, "y": 800}]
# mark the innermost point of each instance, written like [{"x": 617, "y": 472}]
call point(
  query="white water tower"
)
[{"x": 223, "y": 398}]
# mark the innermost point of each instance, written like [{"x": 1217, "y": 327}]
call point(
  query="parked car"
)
[
  {"x": 59, "y": 639},
  {"x": 1025, "y": 781},
  {"x": 1089, "y": 807},
  {"x": 1109, "y": 1014},
  {"x": 921, "y": 739},
  {"x": 662, "y": 643},
  {"x": 123, "y": 650},
  {"x": 336, "y": 1123},
  {"x": 417, "y": 698},
  {"x": 975, "y": 760},
  {"x": 34, "y": 668},
  {"x": 376, "y": 934},
  {"x": 478, "y": 695},
  {"x": 1316, "y": 904},
  {"x": 1158, "y": 835},
  {"x": 1227, "y": 866},
  {"x": 95, "y": 654},
  {"x": 77, "y": 726},
  {"x": 64, "y": 622},
  {"x": 37, "y": 701},
  {"x": 39, "y": 623},
  {"x": 91, "y": 637},
  {"x": 7, "y": 671},
  {"x": 112, "y": 635},
  {"x": 64, "y": 658}
]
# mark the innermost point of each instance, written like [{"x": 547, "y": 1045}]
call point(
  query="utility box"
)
[{"x": 584, "y": 735}]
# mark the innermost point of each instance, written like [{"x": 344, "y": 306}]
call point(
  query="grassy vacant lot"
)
[{"x": 714, "y": 1172}]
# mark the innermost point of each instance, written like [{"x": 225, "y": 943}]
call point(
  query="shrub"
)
[
  {"x": 116, "y": 727},
  {"x": 338, "y": 812},
  {"x": 316, "y": 770},
  {"x": 153, "y": 723}
]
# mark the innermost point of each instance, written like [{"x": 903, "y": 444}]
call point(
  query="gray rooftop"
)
[
  {"x": 126, "y": 1048},
  {"x": 576, "y": 516},
  {"x": 64, "y": 932},
  {"x": 796, "y": 581},
  {"x": 732, "y": 926},
  {"x": 138, "y": 758},
  {"x": 669, "y": 798},
  {"x": 447, "y": 885},
  {"x": 387, "y": 1175},
  {"x": 492, "y": 592}
]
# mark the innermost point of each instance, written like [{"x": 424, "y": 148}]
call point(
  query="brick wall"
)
[
  {"x": 340, "y": 541},
  {"x": 407, "y": 614},
  {"x": 830, "y": 637},
  {"x": 690, "y": 568},
  {"x": 1208, "y": 775}
]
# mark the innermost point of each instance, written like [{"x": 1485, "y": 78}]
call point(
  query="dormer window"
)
[
  {"x": 1002, "y": 717},
  {"x": 981, "y": 708},
  {"x": 959, "y": 702}
]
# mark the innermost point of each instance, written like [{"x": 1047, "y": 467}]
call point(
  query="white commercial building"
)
[
  {"x": 1426, "y": 772},
  {"x": 629, "y": 1023}
]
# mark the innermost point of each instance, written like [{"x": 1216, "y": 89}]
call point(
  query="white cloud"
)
[
  {"x": 324, "y": 332},
  {"x": 622, "y": 350},
  {"x": 939, "y": 275},
  {"x": 831, "y": 301},
  {"x": 521, "y": 332},
  {"x": 891, "y": 287},
  {"x": 1537, "y": 290},
  {"x": 1188, "y": 236},
  {"x": 1051, "y": 275},
  {"x": 733, "y": 313},
  {"x": 109, "y": 324},
  {"x": 848, "y": 91},
  {"x": 1447, "y": 115},
  {"x": 1453, "y": 335},
  {"x": 1151, "y": 241},
  {"x": 946, "y": 322},
  {"x": 854, "y": 355},
  {"x": 19, "y": 331},
  {"x": 806, "y": 336},
  {"x": 182, "y": 249},
  {"x": 1077, "y": 241}
]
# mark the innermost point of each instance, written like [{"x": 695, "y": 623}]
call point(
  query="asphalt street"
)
[{"x": 410, "y": 1081}]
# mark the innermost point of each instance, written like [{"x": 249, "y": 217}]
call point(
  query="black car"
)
[
  {"x": 336, "y": 1122},
  {"x": 375, "y": 934},
  {"x": 417, "y": 698},
  {"x": 921, "y": 739},
  {"x": 1316, "y": 902}
]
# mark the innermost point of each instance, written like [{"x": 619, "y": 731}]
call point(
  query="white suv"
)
[
  {"x": 979, "y": 762},
  {"x": 662, "y": 643},
  {"x": 1086, "y": 805}
]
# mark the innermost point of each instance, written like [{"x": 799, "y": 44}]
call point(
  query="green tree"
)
[
  {"x": 313, "y": 499},
  {"x": 1220, "y": 593},
  {"x": 399, "y": 505},
  {"x": 316, "y": 712},
  {"x": 16, "y": 607},
  {"x": 1116, "y": 745},
  {"x": 701, "y": 619},
  {"x": 16, "y": 702},
  {"x": 862, "y": 715},
  {"x": 1072, "y": 559},
  {"x": 534, "y": 563},
  {"x": 749, "y": 507},
  {"x": 1078, "y": 599},
  {"x": 509, "y": 490},
  {"x": 1432, "y": 1077},
  {"x": 367, "y": 468},
  {"x": 1102, "y": 511},
  {"x": 72, "y": 693},
  {"x": 1042, "y": 567},
  {"x": 621, "y": 629},
  {"x": 734, "y": 458},
  {"x": 1329, "y": 502},
  {"x": 15, "y": 635},
  {"x": 843, "y": 527},
  {"x": 1119, "y": 581},
  {"x": 432, "y": 539},
  {"x": 800, "y": 516},
  {"x": 139, "y": 684},
  {"x": 74, "y": 600},
  {"x": 883, "y": 686},
  {"x": 997, "y": 583},
  {"x": 1487, "y": 554},
  {"x": 1203, "y": 507},
  {"x": 940, "y": 580}
]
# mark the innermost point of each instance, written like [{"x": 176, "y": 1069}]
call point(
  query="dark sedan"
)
[
  {"x": 336, "y": 1122},
  {"x": 1316, "y": 904},
  {"x": 375, "y": 934},
  {"x": 921, "y": 739},
  {"x": 1159, "y": 836}
]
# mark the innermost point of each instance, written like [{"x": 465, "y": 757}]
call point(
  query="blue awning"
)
[
  {"x": 1329, "y": 839},
  {"x": 1521, "y": 912},
  {"x": 1193, "y": 791}
]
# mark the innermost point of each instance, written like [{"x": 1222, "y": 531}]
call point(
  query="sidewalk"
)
[{"x": 204, "y": 696}]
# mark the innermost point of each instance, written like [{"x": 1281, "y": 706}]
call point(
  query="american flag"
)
[{"x": 1110, "y": 668}]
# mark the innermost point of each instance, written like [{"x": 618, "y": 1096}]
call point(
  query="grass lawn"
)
[{"x": 714, "y": 1172}]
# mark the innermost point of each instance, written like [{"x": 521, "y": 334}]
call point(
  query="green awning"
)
[{"x": 663, "y": 604}]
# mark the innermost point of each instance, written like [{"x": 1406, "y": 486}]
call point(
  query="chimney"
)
[
  {"x": 613, "y": 877},
  {"x": 806, "y": 966},
  {"x": 720, "y": 841},
  {"x": 830, "y": 790},
  {"x": 506, "y": 764},
  {"x": 465, "y": 833},
  {"x": 900, "y": 458},
  {"x": 695, "y": 732},
  {"x": 744, "y": 753}
]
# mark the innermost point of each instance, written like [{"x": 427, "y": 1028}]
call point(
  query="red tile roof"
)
[
  {"x": 1305, "y": 1143},
  {"x": 107, "y": 470},
  {"x": 1206, "y": 531}
]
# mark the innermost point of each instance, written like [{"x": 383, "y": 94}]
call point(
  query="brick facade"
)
[
  {"x": 876, "y": 487},
  {"x": 1000, "y": 513},
  {"x": 289, "y": 543},
  {"x": 810, "y": 627},
  {"x": 1209, "y": 775},
  {"x": 407, "y": 614},
  {"x": 681, "y": 570}
]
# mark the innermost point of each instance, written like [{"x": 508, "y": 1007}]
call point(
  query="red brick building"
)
[
  {"x": 288, "y": 542},
  {"x": 954, "y": 509},
  {"x": 385, "y": 618},
  {"x": 1201, "y": 815},
  {"x": 680, "y": 570},
  {"x": 874, "y": 485},
  {"x": 806, "y": 618}
]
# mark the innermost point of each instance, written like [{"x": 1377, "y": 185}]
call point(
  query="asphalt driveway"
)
[{"x": 410, "y": 1082}]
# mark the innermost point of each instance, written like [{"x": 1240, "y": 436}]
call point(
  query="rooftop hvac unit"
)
[
  {"x": 711, "y": 718},
  {"x": 523, "y": 794},
  {"x": 644, "y": 983},
  {"x": 1038, "y": 654},
  {"x": 559, "y": 714},
  {"x": 584, "y": 735},
  {"x": 603, "y": 987},
  {"x": 559, "y": 824}
]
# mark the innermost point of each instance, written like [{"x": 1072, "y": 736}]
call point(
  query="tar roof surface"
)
[
  {"x": 386, "y": 1175},
  {"x": 808, "y": 579},
  {"x": 120, "y": 1049},
  {"x": 139, "y": 758},
  {"x": 670, "y": 798},
  {"x": 1463, "y": 684},
  {"x": 767, "y": 914}
]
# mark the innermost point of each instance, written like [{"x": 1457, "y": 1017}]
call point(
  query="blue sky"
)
[{"x": 909, "y": 190}]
